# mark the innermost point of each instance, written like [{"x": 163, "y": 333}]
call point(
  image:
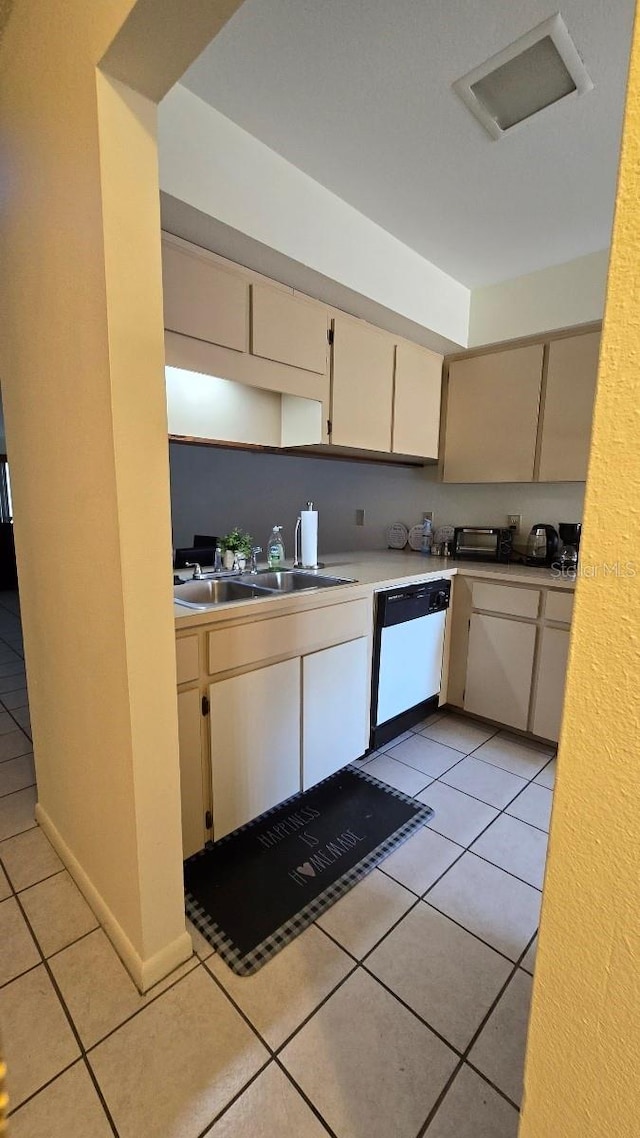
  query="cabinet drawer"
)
[
  {"x": 559, "y": 606},
  {"x": 187, "y": 665},
  {"x": 291, "y": 635},
  {"x": 506, "y": 599}
]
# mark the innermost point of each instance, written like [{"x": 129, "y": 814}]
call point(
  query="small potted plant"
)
[{"x": 236, "y": 546}]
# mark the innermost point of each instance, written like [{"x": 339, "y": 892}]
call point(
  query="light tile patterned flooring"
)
[{"x": 401, "y": 1013}]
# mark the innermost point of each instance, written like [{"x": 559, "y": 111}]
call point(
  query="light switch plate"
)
[
  {"x": 427, "y": 515},
  {"x": 359, "y": 517},
  {"x": 514, "y": 521}
]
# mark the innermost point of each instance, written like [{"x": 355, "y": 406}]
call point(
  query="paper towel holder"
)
[{"x": 297, "y": 560}]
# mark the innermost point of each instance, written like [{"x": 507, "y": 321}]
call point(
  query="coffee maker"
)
[{"x": 567, "y": 559}]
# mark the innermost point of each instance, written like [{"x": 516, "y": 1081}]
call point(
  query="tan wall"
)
[
  {"x": 81, "y": 366},
  {"x": 582, "y": 1062}
]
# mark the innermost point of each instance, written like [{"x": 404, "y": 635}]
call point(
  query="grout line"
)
[
  {"x": 440, "y": 1099},
  {"x": 23, "y": 754},
  {"x": 305, "y": 1096},
  {"x": 14, "y": 1113},
  {"x": 19, "y": 975},
  {"x": 40, "y": 880},
  {"x": 69, "y": 1017},
  {"x": 208, "y": 1128},
  {"x": 17, "y": 834},
  {"x": 196, "y": 961},
  {"x": 273, "y": 1052},
  {"x": 494, "y": 1086},
  {"x": 465, "y": 1054},
  {"x": 10, "y": 792}
]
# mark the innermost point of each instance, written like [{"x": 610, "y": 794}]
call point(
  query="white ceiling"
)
[{"x": 357, "y": 94}]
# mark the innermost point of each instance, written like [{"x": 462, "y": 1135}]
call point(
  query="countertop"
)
[{"x": 372, "y": 571}]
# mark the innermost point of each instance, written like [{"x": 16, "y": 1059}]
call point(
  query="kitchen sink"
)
[
  {"x": 296, "y": 580},
  {"x": 203, "y": 594},
  {"x": 266, "y": 582}
]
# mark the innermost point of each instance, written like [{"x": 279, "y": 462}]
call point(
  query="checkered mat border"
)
[{"x": 252, "y": 961}]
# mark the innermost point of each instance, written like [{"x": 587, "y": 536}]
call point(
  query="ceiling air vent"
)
[{"x": 536, "y": 71}]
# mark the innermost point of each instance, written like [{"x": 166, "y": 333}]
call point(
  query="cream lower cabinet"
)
[
  {"x": 255, "y": 743},
  {"x": 507, "y": 655},
  {"x": 191, "y": 773},
  {"x": 335, "y": 685},
  {"x": 500, "y": 669},
  {"x": 551, "y": 674}
]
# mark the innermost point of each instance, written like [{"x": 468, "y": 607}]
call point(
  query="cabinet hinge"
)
[
  {"x": 330, "y": 335},
  {"x": 205, "y": 705},
  {"x": 329, "y": 426},
  {"x": 208, "y": 820}
]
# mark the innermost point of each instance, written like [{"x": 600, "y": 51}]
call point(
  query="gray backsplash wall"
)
[{"x": 213, "y": 489}]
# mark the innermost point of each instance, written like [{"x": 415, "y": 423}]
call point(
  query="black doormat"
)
[{"x": 256, "y": 889}]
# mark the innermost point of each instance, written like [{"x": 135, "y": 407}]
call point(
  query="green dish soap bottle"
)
[{"x": 275, "y": 549}]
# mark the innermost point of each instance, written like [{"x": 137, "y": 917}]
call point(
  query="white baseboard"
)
[{"x": 144, "y": 973}]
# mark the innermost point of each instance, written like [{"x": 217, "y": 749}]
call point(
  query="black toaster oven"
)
[{"x": 482, "y": 543}]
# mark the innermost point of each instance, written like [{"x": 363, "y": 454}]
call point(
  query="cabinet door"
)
[
  {"x": 289, "y": 329},
  {"x": 416, "y": 401},
  {"x": 335, "y": 687},
  {"x": 362, "y": 386},
  {"x": 203, "y": 300},
  {"x": 191, "y": 773},
  {"x": 568, "y": 408},
  {"x": 500, "y": 669},
  {"x": 255, "y": 743},
  {"x": 552, "y": 669},
  {"x": 492, "y": 416}
]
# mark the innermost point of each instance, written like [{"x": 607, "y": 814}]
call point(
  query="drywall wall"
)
[
  {"x": 81, "y": 359},
  {"x": 214, "y": 489},
  {"x": 213, "y": 165},
  {"x": 552, "y": 298},
  {"x": 581, "y": 1077}
]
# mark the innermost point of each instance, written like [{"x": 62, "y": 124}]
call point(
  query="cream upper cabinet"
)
[
  {"x": 289, "y": 329},
  {"x": 362, "y": 385},
  {"x": 492, "y": 416},
  {"x": 568, "y": 408},
  {"x": 203, "y": 300},
  {"x": 416, "y": 401}
]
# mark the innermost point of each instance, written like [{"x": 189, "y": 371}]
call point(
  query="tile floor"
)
[{"x": 401, "y": 1013}]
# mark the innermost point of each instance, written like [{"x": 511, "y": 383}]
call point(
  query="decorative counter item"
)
[
  {"x": 397, "y": 535},
  {"x": 236, "y": 547}
]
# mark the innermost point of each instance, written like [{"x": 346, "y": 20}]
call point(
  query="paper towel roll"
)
[{"x": 309, "y": 538}]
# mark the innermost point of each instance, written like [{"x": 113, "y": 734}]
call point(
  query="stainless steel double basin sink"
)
[{"x": 216, "y": 590}]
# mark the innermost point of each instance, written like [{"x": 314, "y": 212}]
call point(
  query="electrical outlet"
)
[
  {"x": 514, "y": 521},
  {"x": 427, "y": 515},
  {"x": 359, "y": 517}
]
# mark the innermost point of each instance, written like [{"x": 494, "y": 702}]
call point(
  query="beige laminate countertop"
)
[{"x": 372, "y": 571}]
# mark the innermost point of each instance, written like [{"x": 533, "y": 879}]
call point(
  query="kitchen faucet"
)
[
  {"x": 197, "y": 570},
  {"x": 254, "y": 553}
]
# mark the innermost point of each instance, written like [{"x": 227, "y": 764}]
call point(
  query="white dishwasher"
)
[{"x": 407, "y": 657}]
